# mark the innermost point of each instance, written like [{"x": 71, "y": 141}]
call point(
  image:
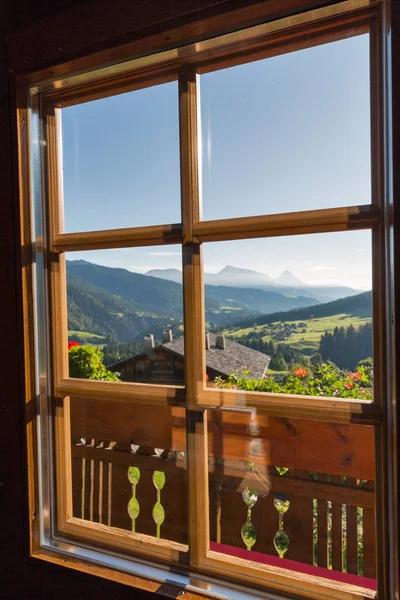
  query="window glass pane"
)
[
  {"x": 128, "y": 470},
  {"x": 276, "y": 499},
  {"x": 291, "y": 314},
  {"x": 124, "y": 316},
  {"x": 288, "y": 133},
  {"x": 121, "y": 160}
]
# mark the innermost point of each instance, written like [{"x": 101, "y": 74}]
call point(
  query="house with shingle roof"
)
[{"x": 165, "y": 363}]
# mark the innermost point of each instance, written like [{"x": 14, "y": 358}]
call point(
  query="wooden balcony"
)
[{"x": 312, "y": 481}]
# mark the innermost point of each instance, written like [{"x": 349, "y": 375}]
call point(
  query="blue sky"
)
[{"x": 284, "y": 134}]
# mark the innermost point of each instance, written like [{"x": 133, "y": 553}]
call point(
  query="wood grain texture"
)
[{"x": 119, "y": 31}]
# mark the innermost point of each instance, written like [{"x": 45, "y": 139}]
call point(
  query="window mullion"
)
[
  {"x": 58, "y": 316},
  {"x": 193, "y": 300}
]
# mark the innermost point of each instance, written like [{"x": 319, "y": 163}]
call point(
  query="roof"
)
[{"x": 234, "y": 357}]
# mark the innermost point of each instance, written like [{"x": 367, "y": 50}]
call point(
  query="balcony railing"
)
[{"x": 297, "y": 492}]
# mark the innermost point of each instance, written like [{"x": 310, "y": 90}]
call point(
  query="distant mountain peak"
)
[
  {"x": 287, "y": 278},
  {"x": 231, "y": 270},
  {"x": 80, "y": 261}
]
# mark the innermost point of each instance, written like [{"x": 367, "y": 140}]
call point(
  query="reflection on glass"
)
[
  {"x": 291, "y": 315},
  {"x": 276, "y": 499},
  {"x": 125, "y": 316},
  {"x": 288, "y": 133},
  {"x": 129, "y": 471},
  {"x": 121, "y": 160}
]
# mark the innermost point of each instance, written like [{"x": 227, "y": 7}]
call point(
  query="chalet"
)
[{"x": 165, "y": 363}]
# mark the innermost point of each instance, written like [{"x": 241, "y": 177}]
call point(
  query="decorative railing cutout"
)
[
  {"x": 281, "y": 538},
  {"x": 158, "y": 509},
  {"x": 248, "y": 531},
  {"x": 133, "y": 504}
]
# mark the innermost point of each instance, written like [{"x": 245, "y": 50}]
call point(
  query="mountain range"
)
[
  {"x": 286, "y": 284},
  {"x": 123, "y": 306},
  {"x": 359, "y": 305}
]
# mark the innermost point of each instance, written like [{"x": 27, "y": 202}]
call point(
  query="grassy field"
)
[
  {"x": 305, "y": 337},
  {"x": 88, "y": 338}
]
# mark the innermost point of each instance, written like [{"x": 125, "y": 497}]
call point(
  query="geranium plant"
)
[{"x": 86, "y": 362}]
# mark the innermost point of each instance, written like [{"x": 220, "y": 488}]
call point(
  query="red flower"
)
[
  {"x": 72, "y": 344},
  {"x": 99, "y": 366},
  {"x": 300, "y": 372},
  {"x": 207, "y": 377},
  {"x": 355, "y": 375},
  {"x": 348, "y": 385}
]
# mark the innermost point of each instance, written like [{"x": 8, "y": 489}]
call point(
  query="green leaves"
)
[
  {"x": 86, "y": 362},
  {"x": 134, "y": 475},
  {"x": 249, "y": 534},
  {"x": 159, "y": 479},
  {"x": 327, "y": 380},
  {"x": 133, "y": 508}
]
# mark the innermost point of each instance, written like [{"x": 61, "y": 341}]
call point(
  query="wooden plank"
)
[
  {"x": 128, "y": 541},
  {"x": 353, "y": 496},
  {"x": 126, "y": 459},
  {"x": 307, "y": 34},
  {"x": 193, "y": 307},
  {"x": 351, "y": 540},
  {"x": 198, "y": 512},
  {"x": 369, "y": 544},
  {"x": 216, "y": 479},
  {"x": 125, "y": 27},
  {"x": 322, "y": 532},
  {"x": 292, "y": 406},
  {"x": 123, "y": 422},
  {"x": 57, "y": 264},
  {"x": 154, "y": 235},
  {"x": 298, "y": 524},
  {"x": 297, "y": 444},
  {"x": 334, "y": 219},
  {"x": 193, "y": 286},
  {"x": 336, "y": 537},
  {"x": 122, "y": 82},
  {"x": 139, "y": 393},
  {"x": 284, "y": 442}
]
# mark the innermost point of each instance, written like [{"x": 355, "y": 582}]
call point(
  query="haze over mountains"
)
[
  {"x": 122, "y": 305},
  {"x": 287, "y": 283}
]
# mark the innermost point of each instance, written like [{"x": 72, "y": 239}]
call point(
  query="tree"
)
[
  {"x": 316, "y": 359},
  {"x": 278, "y": 363}
]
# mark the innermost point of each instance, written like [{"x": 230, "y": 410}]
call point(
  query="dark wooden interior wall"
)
[{"x": 21, "y": 577}]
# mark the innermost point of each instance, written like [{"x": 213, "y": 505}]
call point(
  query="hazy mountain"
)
[
  {"x": 123, "y": 305},
  {"x": 232, "y": 303},
  {"x": 168, "y": 274},
  {"x": 236, "y": 277},
  {"x": 286, "y": 284},
  {"x": 287, "y": 278}
]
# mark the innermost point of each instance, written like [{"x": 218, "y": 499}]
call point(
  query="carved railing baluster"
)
[
  {"x": 133, "y": 504},
  {"x": 158, "y": 509},
  {"x": 281, "y": 538},
  {"x": 249, "y": 537}
]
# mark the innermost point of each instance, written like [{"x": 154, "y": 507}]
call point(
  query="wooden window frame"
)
[{"x": 46, "y": 100}]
